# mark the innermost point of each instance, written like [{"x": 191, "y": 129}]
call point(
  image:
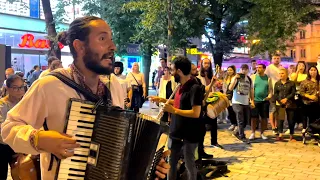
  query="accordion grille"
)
[{"x": 113, "y": 136}]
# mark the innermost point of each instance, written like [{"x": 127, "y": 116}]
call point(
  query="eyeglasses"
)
[{"x": 21, "y": 88}]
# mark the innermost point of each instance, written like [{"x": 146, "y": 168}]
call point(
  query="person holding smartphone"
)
[{"x": 243, "y": 97}]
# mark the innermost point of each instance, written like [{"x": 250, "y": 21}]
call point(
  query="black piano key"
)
[
  {"x": 84, "y": 136},
  {"x": 79, "y": 170},
  {"x": 80, "y": 155},
  {"x": 76, "y": 175},
  {"x": 88, "y": 113},
  {"x": 84, "y": 107},
  {"x": 84, "y": 127},
  {"x": 87, "y": 122},
  {"x": 86, "y": 147}
]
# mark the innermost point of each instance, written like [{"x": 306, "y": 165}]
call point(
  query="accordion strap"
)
[{"x": 87, "y": 94}]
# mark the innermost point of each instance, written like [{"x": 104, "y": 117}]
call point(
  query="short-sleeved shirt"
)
[
  {"x": 239, "y": 98},
  {"x": 273, "y": 73},
  {"x": 261, "y": 88},
  {"x": 184, "y": 128}
]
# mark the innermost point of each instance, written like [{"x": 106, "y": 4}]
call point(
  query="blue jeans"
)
[{"x": 189, "y": 158}]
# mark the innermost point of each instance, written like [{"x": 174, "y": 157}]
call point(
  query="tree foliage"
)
[
  {"x": 153, "y": 25},
  {"x": 274, "y": 22},
  {"x": 224, "y": 25}
]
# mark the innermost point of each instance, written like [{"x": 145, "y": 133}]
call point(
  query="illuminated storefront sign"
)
[
  {"x": 29, "y": 41},
  {"x": 193, "y": 51}
]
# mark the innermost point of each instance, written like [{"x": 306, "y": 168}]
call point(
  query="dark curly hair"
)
[
  {"x": 182, "y": 63},
  {"x": 78, "y": 29}
]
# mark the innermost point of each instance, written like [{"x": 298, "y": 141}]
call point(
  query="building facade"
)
[{"x": 306, "y": 46}]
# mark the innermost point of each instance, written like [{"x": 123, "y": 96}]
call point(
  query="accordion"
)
[{"x": 115, "y": 144}]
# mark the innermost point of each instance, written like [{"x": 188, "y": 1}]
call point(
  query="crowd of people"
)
[{"x": 256, "y": 94}]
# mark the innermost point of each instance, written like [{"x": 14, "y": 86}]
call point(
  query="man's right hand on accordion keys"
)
[
  {"x": 62, "y": 146},
  {"x": 59, "y": 144}
]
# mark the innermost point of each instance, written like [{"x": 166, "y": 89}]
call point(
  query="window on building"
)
[
  {"x": 303, "y": 53},
  {"x": 293, "y": 53},
  {"x": 302, "y": 34}
]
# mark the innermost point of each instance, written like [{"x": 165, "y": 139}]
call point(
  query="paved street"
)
[
  {"x": 263, "y": 159},
  {"x": 266, "y": 159}
]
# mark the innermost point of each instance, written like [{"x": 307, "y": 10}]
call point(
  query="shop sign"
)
[
  {"x": 133, "y": 49},
  {"x": 193, "y": 51},
  {"x": 29, "y": 41}
]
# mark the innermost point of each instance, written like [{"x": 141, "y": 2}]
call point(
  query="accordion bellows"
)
[{"x": 115, "y": 144}]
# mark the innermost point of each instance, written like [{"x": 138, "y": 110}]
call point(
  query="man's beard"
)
[
  {"x": 91, "y": 61},
  {"x": 177, "y": 78}
]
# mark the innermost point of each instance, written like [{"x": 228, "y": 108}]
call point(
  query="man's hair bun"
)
[{"x": 63, "y": 38}]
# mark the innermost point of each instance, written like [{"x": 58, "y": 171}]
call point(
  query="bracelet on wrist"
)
[{"x": 34, "y": 139}]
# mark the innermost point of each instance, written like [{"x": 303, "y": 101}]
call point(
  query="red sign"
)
[{"x": 28, "y": 41}]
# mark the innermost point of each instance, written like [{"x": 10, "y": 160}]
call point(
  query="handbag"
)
[{"x": 138, "y": 88}]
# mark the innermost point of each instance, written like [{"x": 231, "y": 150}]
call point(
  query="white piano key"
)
[
  {"x": 66, "y": 176},
  {"x": 79, "y": 104},
  {"x": 72, "y": 163},
  {"x": 67, "y": 171},
  {"x": 81, "y": 151},
  {"x": 67, "y": 166},
  {"x": 82, "y": 138}
]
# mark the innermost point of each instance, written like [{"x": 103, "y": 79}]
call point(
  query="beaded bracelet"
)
[{"x": 34, "y": 139}]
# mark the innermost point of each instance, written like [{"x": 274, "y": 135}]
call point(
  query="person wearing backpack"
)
[{"x": 243, "y": 97}]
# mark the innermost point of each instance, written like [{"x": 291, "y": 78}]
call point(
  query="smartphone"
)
[{"x": 242, "y": 76}]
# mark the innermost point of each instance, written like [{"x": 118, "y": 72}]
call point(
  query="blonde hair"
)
[
  {"x": 284, "y": 69},
  {"x": 136, "y": 63}
]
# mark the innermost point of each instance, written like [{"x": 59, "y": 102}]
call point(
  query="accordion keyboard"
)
[{"x": 80, "y": 126}]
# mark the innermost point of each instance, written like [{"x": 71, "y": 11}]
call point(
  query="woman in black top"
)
[{"x": 284, "y": 92}]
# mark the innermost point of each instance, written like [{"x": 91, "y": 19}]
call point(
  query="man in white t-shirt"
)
[{"x": 272, "y": 71}]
